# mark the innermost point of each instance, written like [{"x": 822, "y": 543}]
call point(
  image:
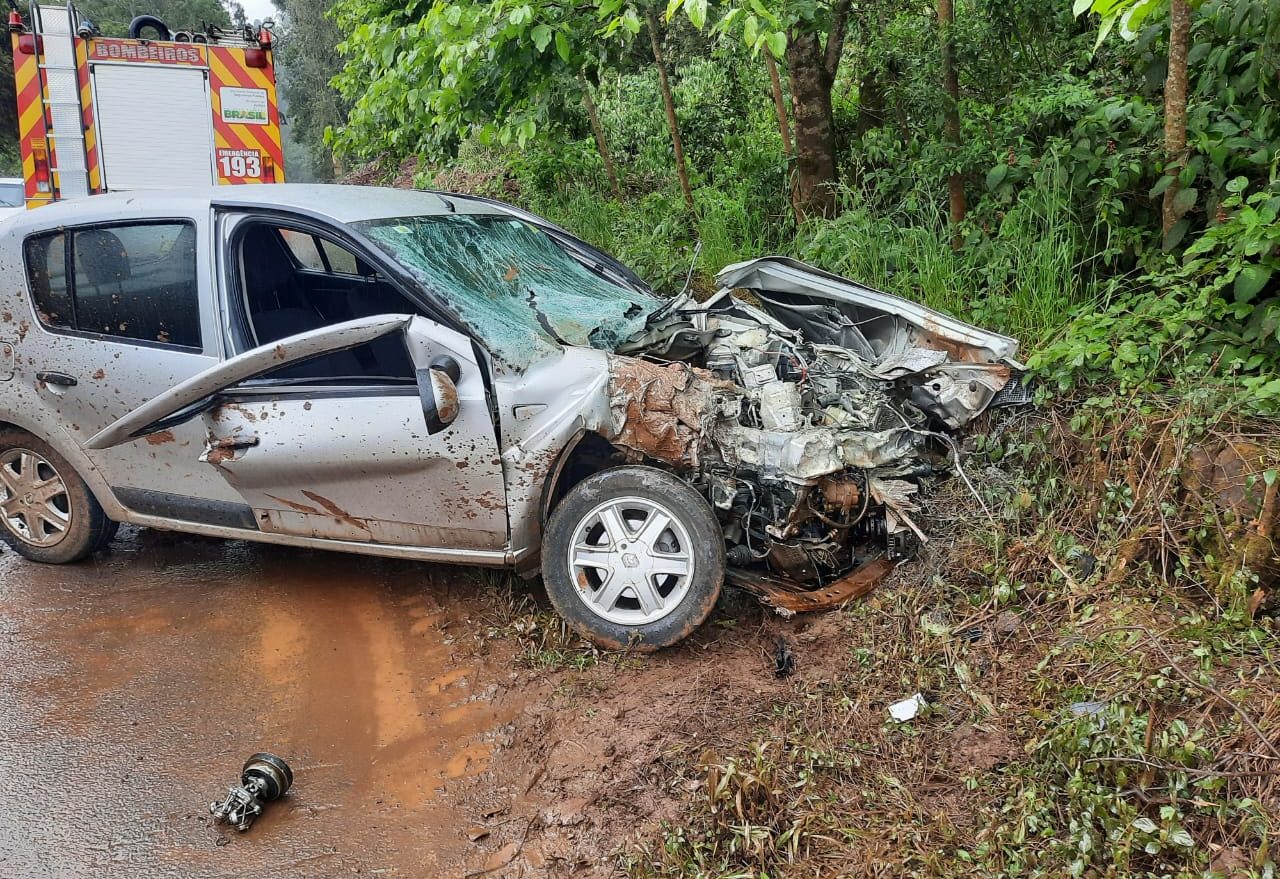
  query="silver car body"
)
[{"x": 179, "y": 439}]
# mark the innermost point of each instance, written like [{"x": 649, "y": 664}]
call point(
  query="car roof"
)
[{"x": 336, "y": 202}]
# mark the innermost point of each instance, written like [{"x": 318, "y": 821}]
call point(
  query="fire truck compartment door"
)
[{"x": 155, "y": 127}]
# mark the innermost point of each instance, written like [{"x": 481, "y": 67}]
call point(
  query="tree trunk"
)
[
  {"x": 951, "y": 84},
  {"x": 681, "y": 171},
  {"x": 597, "y": 129},
  {"x": 871, "y": 103},
  {"x": 815, "y": 143},
  {"x": 784, "y": 129},
  {"x": 778, "y": 103},
  {"x": 1175, "y": 107}
]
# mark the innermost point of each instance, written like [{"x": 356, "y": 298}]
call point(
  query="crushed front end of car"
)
[{"x": 810, "y": 418}]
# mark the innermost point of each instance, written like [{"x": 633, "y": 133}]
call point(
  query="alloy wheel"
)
[
  {"x": 33, "y": 498},
  {"x": 632, "y": 561}
]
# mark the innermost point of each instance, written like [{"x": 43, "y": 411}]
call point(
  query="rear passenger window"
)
[
  {"x": 133, "y": 282},
  {"x": 314, "y": 254},
  {"x": 47, "y": 274}
]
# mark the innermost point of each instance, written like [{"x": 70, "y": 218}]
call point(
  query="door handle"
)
[{"x": 56, "y": 378}]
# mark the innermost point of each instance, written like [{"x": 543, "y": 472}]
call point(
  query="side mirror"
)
[{"x": 437, "y": 386}]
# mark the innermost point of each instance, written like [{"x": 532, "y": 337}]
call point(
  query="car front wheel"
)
[
  {"x": 47, "y": 512},
  {"x": 633, "y": 557}
]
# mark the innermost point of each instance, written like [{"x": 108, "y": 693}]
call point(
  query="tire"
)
[
  {"x": 66, "y": 526},
  {"x": 142, "y": 22},
  {"x": 108, "y": 535},
  {"x": 625, "y": 586}
]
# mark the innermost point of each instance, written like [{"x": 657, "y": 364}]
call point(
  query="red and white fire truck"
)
[{"x": 99, "y": 114}]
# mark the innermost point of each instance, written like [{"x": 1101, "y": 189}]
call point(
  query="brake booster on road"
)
[{"x": 264, "y": 778}]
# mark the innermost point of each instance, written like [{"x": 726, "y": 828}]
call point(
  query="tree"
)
[
  {"x": 1175, "y": 112},
  {"x": 424, "y": 79},
  {"x": 810, "y": 35},
  {"x": 784, "y": 127},
  {"x": 307, "y": 57},
  {"x": 951, "y": 127},
  {"x": 1129, "y": 15},
  {"x": 669, "y": 104},
  {"x": 597, "y": 131},
  {"x": 10, "y": 160},
  {"x": 113, "y": 16},
  {"x": 779, "y": 102}
]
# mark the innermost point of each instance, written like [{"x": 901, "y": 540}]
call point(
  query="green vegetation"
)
[
  {"x": 113, "y": 16},
  {"x": 1101, "y": 695},
  {"x": 306, "y": 59}
]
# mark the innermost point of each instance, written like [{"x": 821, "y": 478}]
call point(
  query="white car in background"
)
[{"x": 12, "y": 197}]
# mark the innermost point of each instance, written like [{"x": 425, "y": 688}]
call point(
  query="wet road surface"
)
[{"x": 133, "y": 687}]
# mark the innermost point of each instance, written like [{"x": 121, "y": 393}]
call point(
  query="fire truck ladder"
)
[{"x": 56, "y": 25}]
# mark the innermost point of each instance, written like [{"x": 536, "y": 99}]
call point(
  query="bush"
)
[{"x": 1210, "y": 318}]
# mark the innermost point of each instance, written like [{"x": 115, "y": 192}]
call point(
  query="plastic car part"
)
[{"x": 264, "y": 778}]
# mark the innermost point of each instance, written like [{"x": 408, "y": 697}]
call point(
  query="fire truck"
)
[{"x": 154, "y": 110}]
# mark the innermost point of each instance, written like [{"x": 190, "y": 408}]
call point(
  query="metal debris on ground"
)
[
  {"x": 264, "y": 778},
  {"x": 1091, "y": 708},
  {"x": 784, "y": 661},
  {"x": 789, "y": 597}
]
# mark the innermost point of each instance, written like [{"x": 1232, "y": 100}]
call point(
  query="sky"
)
[{"x": 256, "y": 10}]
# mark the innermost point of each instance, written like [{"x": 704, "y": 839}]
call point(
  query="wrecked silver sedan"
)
[{"x": 447, "y": 378}]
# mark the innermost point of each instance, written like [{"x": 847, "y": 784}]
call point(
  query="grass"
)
[
  {"x": 1079, "y": 723},
  {"x": 545, "y": 640},
  {"x": 1101, "y": 686},
  {"x": 1026, "y": 276}
]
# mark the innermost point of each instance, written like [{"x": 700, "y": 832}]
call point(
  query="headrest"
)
[{"x": 102, "y": 257}]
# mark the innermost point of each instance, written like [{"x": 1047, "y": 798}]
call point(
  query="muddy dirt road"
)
[
  {"x": 424, "y": 742},
  {"x": 132, "y": 688}
]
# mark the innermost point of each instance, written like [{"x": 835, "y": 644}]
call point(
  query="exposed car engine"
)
[{"x": 809, "y": 423}]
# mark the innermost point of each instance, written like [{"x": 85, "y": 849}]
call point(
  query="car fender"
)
[
  {"x": 65, "y": 445},
  {"x": 542, "y": 411}
]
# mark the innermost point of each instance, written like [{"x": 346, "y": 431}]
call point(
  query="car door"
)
[
  {"x": 358, "y": 463},
  {"x": 123, "y": 311}
]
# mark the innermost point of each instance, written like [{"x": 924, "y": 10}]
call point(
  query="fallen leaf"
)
[{"x": 1256, "y": 600}]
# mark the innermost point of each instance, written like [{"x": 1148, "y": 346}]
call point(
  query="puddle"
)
[{"x": 135, "y": 685}]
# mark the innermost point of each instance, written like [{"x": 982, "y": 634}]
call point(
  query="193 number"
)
[{"x": 241, "y": 166}]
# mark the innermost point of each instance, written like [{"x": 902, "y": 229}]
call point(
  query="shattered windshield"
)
[{"x": 515, "y": 286}]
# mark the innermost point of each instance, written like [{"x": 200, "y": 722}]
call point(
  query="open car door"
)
[{"x": 413, "y": 464}]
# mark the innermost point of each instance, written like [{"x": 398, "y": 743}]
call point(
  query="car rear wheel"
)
[
  {"x": 47, "y": 512},
  {"x": 633, "y": 557}
]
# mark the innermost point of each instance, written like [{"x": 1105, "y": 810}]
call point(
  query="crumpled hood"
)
[
  {"x": 885, "y": 325},
  {"x": 956, "y": 370}
]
